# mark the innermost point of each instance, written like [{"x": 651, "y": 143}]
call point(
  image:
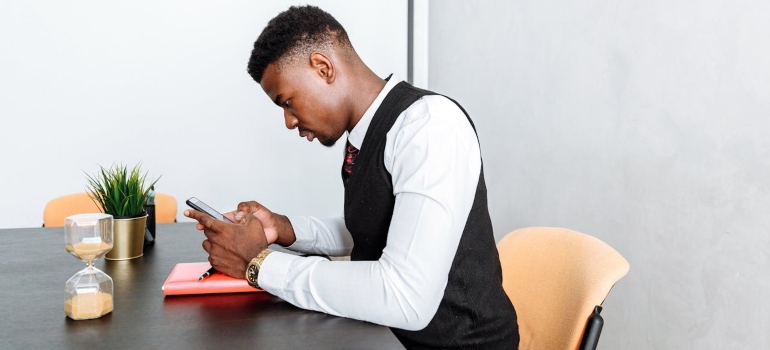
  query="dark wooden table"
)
[{"x": 34, "y": 268}]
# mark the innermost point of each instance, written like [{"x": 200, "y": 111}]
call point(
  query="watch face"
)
[{"x": 251, "y": 274}]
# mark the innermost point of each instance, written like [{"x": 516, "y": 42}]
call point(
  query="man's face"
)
[{"x": 307, "y": 99}]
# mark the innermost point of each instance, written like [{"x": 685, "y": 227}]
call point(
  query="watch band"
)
[
  {"x": 252, "y": 270},
  {"x": 260, "y": 259}
]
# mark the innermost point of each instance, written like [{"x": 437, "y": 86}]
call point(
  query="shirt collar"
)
[{"x": 356, "y": 136}]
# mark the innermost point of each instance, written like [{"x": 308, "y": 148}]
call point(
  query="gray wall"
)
[{"x": 642, "y": 123}]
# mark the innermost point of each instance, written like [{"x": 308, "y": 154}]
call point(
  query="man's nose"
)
[{"x": 291, "y": 120}]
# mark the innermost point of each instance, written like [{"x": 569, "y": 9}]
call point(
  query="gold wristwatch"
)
[{"x": 252, "y": 270}]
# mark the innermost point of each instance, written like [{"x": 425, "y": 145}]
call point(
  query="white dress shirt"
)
[{"x": 432, "y": 154}]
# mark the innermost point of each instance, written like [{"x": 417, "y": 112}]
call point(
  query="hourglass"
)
[{"x": 89, "y": 292}]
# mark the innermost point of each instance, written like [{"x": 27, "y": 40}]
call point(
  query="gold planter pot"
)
[{"x": 128, "y": 238}]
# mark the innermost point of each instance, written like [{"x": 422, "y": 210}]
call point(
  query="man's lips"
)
[{"x": 306, "y": 134}]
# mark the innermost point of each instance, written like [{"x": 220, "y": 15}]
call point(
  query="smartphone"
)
[{"x": 198, "y": 205}]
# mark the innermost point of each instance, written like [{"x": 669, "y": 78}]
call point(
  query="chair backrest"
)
[
  {"x": 57, "y": 209},
  {"x": 165, "y": 208},
  {"x": 554, "y": 278}
]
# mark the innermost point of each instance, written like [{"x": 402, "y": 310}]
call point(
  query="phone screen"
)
[{"x": 198, "y": 205}]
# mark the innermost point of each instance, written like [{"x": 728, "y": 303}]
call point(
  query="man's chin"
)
[{"x": 327, "y": 142}]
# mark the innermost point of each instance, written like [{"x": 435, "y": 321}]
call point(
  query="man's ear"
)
[{"x": 323, "y": 66}]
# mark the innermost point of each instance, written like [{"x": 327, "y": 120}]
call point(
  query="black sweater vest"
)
[{"x": 475, "y": 312}]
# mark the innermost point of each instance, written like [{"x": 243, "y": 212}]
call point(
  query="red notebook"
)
[{"x": 183, "y": 280}]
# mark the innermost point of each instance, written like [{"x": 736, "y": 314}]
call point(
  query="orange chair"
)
[
  {"x": 557, "y": 279},
  {"x": 165, "y": 208},
  {"x": 57, "y": 209}
]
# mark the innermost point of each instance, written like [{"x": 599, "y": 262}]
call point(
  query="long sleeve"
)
[
  {"x": 326, "y": 236},
  {"x": 433, "y": 157}
]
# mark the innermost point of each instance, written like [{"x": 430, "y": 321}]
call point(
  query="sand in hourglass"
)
[
  {"x": 87, "y": 306},
  {"x": 88, "y": 251}
]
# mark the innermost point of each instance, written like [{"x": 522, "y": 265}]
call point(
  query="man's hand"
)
[
  {"x": 230, "y": 246},
  {"x": 277, "y": 227}
]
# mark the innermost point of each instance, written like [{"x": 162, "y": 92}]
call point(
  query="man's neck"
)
[{"x": 363, "y": 92}]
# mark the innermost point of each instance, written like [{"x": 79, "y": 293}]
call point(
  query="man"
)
[{"x": 416, "y": 223}]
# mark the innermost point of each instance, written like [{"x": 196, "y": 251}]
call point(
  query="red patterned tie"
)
[{"x": 350, "y": 159}]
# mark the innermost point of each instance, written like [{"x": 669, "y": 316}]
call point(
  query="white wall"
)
[
  {"x": 164, "y": 83},
  {"x": 643, "y": 123}
]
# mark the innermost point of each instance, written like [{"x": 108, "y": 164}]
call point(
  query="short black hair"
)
[{"x": 296, "y": 30}]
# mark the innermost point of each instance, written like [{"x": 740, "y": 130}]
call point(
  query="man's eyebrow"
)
[{"x": 277, "y": 100}]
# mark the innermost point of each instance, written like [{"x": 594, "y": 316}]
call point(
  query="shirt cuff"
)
[
  {"x": 303, "y": 233},
  {"x": 275, "y": 269}
]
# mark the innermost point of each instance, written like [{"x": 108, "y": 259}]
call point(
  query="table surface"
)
[{"x": 34, "y": 268}]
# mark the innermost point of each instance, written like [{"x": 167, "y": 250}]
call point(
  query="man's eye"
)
[{"x": 286, "y": 103}]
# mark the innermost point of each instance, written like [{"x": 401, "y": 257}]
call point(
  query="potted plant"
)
[{"x": 122, "y": 193}]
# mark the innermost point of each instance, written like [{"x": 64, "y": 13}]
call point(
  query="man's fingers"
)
[
  {"x": 252, "y": 207},
  {"x": 250, "y": 220},
  {"x": 204, "y": 219},
  {"x": 249, "y": 207},
  {"x": 232, "y": 216}
]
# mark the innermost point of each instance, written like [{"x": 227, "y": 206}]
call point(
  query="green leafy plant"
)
[{"x": 120, "y": 191}]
